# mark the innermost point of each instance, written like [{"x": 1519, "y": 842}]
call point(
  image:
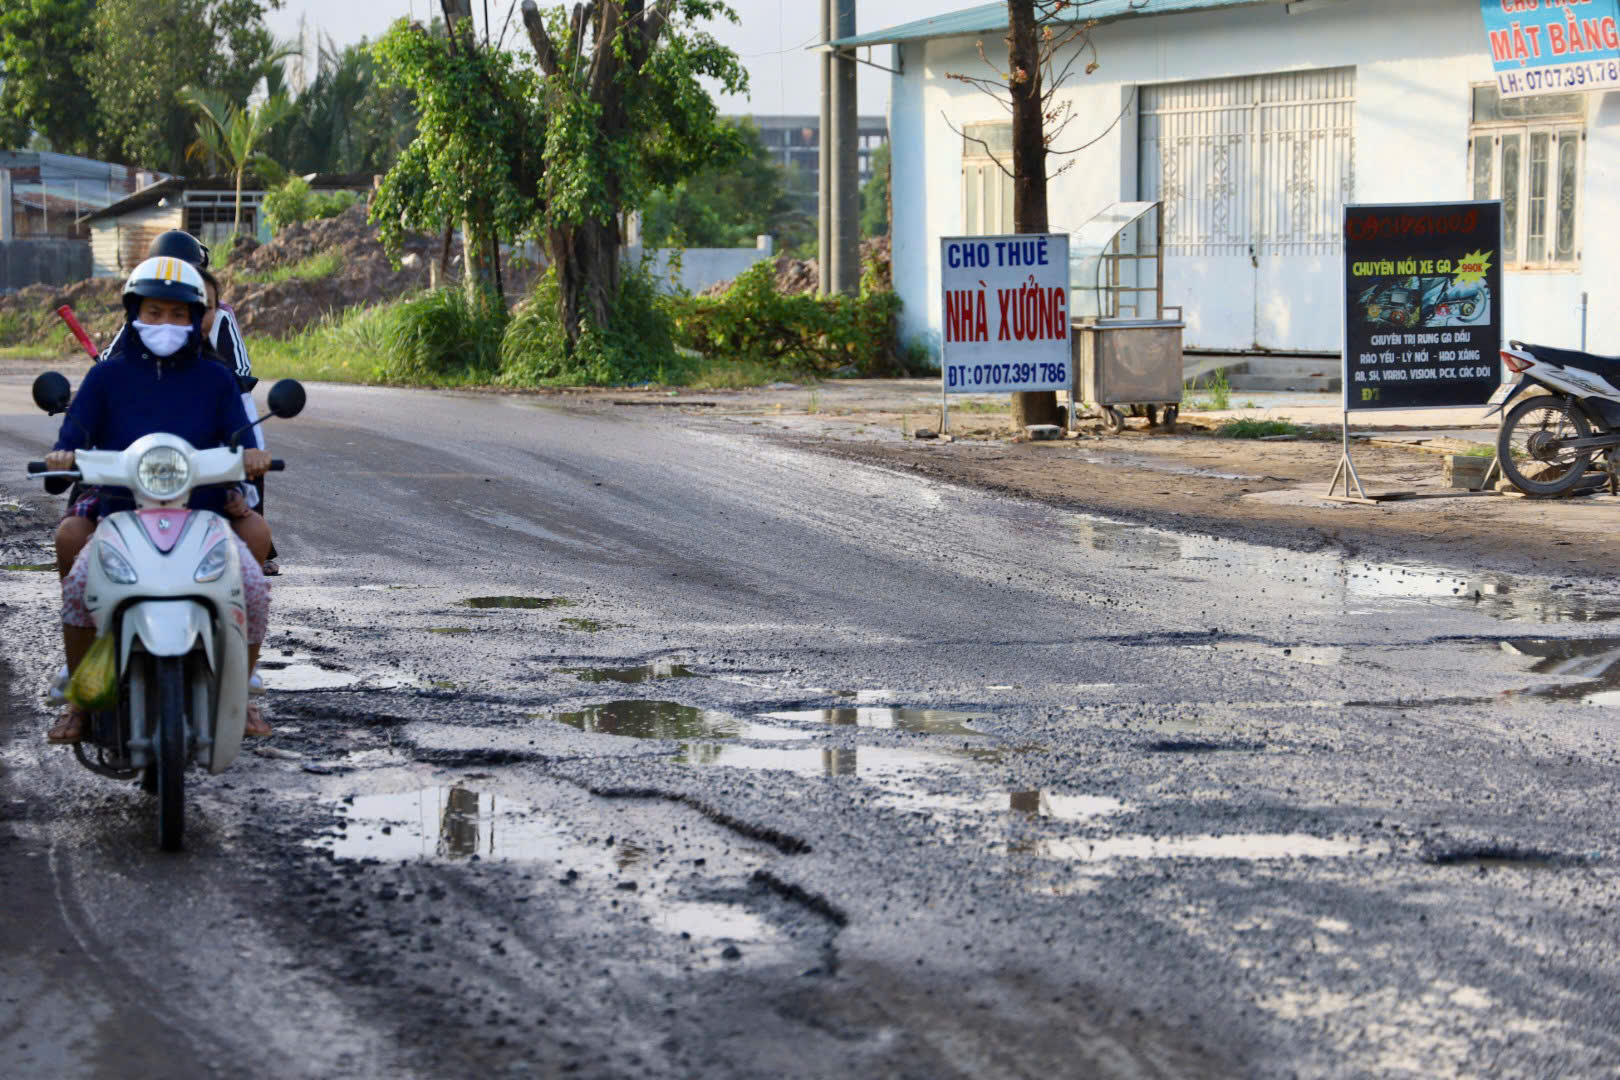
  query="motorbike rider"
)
[
  {"x": 154, "y": 379},
  {"x": 223, "y": 341}
]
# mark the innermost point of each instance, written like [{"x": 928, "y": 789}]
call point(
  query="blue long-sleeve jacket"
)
[{"x": 132, "y": 393}]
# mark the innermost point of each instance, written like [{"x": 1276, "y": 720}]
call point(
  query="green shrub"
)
[
  {"x": 443, "y": 335},
  {"x": 754, "y": 322},
  {"x": 293, "y": 202},
  {"x": 345, "y": 347},
  {"x": 638, "y": 347},
  {"x": 1259, "y": 429}
]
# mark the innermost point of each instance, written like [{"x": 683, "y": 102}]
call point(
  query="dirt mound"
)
[
  {"x": 363, "y": 274},
  {"x": 796, "y": 276},
  {"x": 29, "y": 315}
]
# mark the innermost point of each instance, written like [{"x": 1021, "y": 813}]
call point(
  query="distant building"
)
[
  {"x": 795, "y": 143},
  {"x": 206, "y": 208},
  {"x": 43, "y": 194}
]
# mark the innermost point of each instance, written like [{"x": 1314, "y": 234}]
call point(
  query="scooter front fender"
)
[{"x": 167, "y": 628}]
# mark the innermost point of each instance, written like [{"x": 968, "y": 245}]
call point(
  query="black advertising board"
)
[{"x": 1423, "y": 315}]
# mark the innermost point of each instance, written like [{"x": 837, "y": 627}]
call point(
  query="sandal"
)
[
  {"x": 271, "y": 568},
  {"x": 70, "y": 727},
  {"x": 256, "y": 727}
]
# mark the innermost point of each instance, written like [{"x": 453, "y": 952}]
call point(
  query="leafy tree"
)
[
  {"x": 728, "y": 207},
  {"x": 626, "y": 113},
  {"x": 146, "y": 52},
  {"x": 875, "y": 196},
  {"x": 230, "y": 135},
  {"x": 44, "y": 45},
  {"x": 477, "y": 156}
]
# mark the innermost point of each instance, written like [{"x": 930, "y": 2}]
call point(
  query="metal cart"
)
[{"x": 1127, "y": 354}]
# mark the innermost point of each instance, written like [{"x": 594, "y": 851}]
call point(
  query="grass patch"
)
[
  {"x": 320, "y": 265},
  {"x": 30, "y": 567},
  {"x": 1217, "y": 386},
  {"x": 1259, "y": 429},
  {"x": 1481, "y": 450}
]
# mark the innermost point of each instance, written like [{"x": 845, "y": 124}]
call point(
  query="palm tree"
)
[{"x": 228, "y": 135}]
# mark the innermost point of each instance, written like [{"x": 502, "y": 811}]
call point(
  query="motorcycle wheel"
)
[
  {"x": 171, "y": 751},
  {"x": 1524, "y": 445}
]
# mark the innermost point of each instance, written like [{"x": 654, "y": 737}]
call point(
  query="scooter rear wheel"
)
[
  {"x": 1527, "y": 446},
  {"x": 171, "y": 751}
]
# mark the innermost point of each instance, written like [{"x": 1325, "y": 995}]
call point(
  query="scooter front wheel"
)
[
  {"x": 171, "y": 751},
  {"x": 1530, "y": 447}
]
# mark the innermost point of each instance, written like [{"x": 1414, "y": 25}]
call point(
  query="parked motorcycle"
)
[
  {"x": 165, "y": 583},
  {"x": 1548, "y": 440}
]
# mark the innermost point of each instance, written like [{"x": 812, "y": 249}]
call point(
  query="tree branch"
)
[
  {"x": 543, "y": 50},
  {"x": 974, "y": 139},
  {"x": 605, "y": 62}
]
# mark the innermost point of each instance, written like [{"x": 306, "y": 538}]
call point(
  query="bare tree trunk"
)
[
  {"x": 236, "y": 223},
  {"x": 1029, "y": 165}
]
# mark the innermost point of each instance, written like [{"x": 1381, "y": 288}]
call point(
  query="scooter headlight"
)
[
  {"x": 213, "y": 564},
  {"x": 115, "y": 566},
  {"x": 163, "y": 472}
]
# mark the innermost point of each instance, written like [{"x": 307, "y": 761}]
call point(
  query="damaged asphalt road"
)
[{"x": 617, "y": 744}]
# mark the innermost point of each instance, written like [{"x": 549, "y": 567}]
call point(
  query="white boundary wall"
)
[{"x": 1416, "y": 64}]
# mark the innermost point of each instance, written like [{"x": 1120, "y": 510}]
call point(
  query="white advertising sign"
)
[{"x": 1006, "y": 313}]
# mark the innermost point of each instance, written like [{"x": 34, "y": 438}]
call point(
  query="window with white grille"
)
[
  {"x": 1254, "y": 166},
  {"x": 987, "y": 190},
  {"x": 1527, "y": 152}
]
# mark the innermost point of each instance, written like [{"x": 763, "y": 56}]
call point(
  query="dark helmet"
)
[
  {"x": 166, "y": 278},
  {"x": 179, "y": 244}
]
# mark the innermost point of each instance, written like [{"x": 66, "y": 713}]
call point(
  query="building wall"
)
[
  {"x": 700, "y": 267},
  {"x": 118, "y": 244},
  {"x": 1415, "y": 68}
]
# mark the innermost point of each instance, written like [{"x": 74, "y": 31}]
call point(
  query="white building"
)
[{"x": 1255, "y": 121}]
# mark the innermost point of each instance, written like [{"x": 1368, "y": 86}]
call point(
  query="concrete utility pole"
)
[
  {"x": 846, "y": 176},
  {"x": 840, "y": 234},
  {"x": 824, "y": 214}
]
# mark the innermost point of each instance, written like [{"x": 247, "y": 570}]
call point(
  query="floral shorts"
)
[{"x": 255, "y": 591}]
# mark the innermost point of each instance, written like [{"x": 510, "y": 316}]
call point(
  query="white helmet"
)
[{"x": 165, "y": 278}]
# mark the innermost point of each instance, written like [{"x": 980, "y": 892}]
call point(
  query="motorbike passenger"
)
[{"x": 155, "y": 379}]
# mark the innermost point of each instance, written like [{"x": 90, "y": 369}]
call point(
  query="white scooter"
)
[
  {"x": 1547, "y": 440},
  {"x": 166, "y": 583}
]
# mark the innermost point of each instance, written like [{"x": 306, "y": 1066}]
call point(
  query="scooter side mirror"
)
[
  {"x": 52, "y": 393},
  {"x": 287, "y": 398}
]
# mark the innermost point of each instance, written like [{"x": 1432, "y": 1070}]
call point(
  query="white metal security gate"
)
[{"x": 1253, "y": 173}]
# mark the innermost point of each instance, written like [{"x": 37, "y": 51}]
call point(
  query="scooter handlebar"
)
[
  {"x": 277, "y": 465},
  {"x": 37, "y": 467}
]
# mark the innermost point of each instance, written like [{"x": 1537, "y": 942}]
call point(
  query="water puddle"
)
[
  {"x": 1340, "y": 581},
  {"x": 587, "y": 626},
  {"x": 525, "y": 603},
  {"x": 37, "y": 568},
  {"x": 1027, "y": 805},
  {"x": 293, "y": 672},
  {"x": 653, "y": 672},
  {"x": 669, "y": 720},
  {"x": 644, "y": 869},
  {"x": 1250, "y": 847},
  {"x": 884, "y": 767},
  {"x": 1592, "y": 665},
  {"x": 921, "y": 721}
]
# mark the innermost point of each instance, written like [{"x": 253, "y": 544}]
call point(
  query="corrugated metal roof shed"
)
[{"x": 990, "y": 18}]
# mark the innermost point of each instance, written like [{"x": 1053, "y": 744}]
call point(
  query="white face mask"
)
[{"x": 162, "y": 339}]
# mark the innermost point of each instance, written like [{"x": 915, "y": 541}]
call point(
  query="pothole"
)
[
  {"x": 293, "y": 672},
  {"x": 587, "y": 626},
  {"x": 1500, "y": 857},
  {"x": 1250, "y": 847},
  {"x": 1201, "y": 746},
  {"x": 1026, "y": 805},
  {"x": 653, "y": 672},
  {"x": 921, "y": 721},
  {"x": 669, "y": 720},
  {"x": 36, "y": 568},
  {"x": 526, "y": 603},
  {"x": 1592, "y": 663},
  {"x": 661, "y": 867}
]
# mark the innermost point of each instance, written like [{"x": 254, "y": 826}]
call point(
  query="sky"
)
[{"x": 771, "y": 39}]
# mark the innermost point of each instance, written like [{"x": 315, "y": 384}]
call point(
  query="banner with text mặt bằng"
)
[
  {"x": 1553, "y": 46},
  {"x": 1006, "y": 313},
  {"x": 1423, "y": 305}
]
